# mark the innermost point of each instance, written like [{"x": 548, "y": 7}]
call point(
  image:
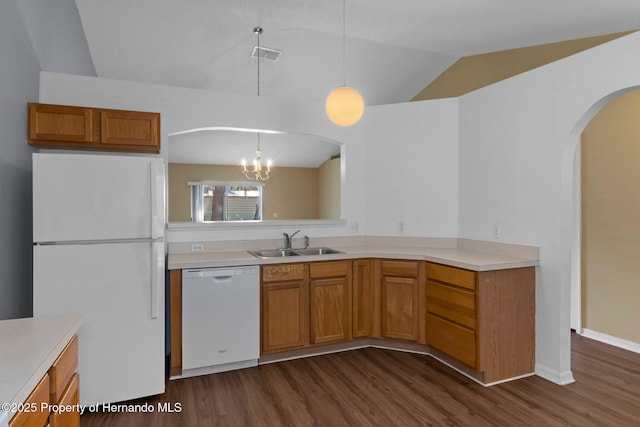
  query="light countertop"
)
[
  {"x": 28, "y": 348},
  {"x": 462, "y": 258}
]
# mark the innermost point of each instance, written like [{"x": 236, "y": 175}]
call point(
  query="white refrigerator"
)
[{"x": 98, "y": 230}]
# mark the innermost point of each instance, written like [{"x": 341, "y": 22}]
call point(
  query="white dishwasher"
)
[{"x": 220, "y": 319}]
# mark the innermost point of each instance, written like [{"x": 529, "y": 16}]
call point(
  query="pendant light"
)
[
  {"x": 257, "y": 173},
  {"x": 344, "y": 104}
]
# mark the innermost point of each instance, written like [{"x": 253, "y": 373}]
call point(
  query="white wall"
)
[
  {"x": 411, "y": 154},
  {"x": 517, "y": 150},
  {"x": 183, "y": 109},
  {"x": 18, "y": 84}
]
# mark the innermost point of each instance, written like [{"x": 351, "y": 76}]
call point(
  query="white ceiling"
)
[{"x": 393, "y": 48}]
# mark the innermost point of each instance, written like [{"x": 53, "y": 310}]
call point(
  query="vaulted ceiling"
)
[{"x": 393, "y": 49}]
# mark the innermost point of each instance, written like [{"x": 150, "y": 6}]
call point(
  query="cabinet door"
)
[
  {"x": 400, "y": 308},
  {"x": 362, "y": 298},
  {"x": 61, "y": 123},
  {"x": 330, "y": 310},
  {"x": 284, "y": 315},
  {"x": 37, "y": 412},
  {"x": 138, "y": 130},
  {"x": 71, "y": 396}
]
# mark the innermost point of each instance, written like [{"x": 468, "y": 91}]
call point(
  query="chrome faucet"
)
[{"x": 288, "y": 239}]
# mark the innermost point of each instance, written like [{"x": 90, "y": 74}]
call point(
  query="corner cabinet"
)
[
  {"x": 486, "y": 320},
  {"x": 83, "y": 128}
]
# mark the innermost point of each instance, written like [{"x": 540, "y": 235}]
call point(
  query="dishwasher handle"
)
[{"x": 220, "y": 274}]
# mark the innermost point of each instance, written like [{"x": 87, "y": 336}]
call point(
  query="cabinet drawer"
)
[
  {"x": 63, "y": 369},
  {"x": 280, "y": 272},
  {"x": 400, "y": 268},
  {"x": 35, "y": 401},
  {"x": 455, "y": 340},
  {"x": 329, "y": 269},
  {"x": 452, "y": 275},
  {"x": 70, "y": 397},
  {"x": 455, "y": 304}
]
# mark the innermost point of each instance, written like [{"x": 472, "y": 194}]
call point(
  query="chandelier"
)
[{"x": 257, "y": 173}]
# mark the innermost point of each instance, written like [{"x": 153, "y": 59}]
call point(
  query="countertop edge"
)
[
  {"x": 23, "y": 393},
  {"x": 237, "y": 258}
]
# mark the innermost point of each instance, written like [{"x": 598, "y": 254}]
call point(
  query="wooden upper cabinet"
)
[
  {"x": 130, "y": 128},
  {"x": 61, "y": 123},
  {"x": 83, "y": 128}
]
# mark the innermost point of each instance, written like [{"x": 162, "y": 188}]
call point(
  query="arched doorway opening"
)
[{"x": 593, "y": 126}]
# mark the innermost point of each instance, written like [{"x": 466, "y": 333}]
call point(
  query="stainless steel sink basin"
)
[
  {"x": 281, "y": 253},
  {"x": 317, "y": 251},
  {"x": 273, "y": 253}
]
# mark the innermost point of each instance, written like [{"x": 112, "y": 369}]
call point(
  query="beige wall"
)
[
  {"x": 292, "y": 193},
  {"x": 473, "y": 72},
  {"x": 329, "y": 189},
  {"x": 611, "y": 220}
]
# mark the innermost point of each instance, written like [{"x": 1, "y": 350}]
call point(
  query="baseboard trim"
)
[
  {"x": 556, "y": 377},
  {"x": 214, "y": 369},
  {"x": 611, "y": 340}
]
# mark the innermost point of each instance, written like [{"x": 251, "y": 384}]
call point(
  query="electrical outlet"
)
[
  {"x": 197, "y": 247},
  {"x": 400, "y": 227},
  {"x": 495, "y": 231},
  {"x": 353, "y": 227}
]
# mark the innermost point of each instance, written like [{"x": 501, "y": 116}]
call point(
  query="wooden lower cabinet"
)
[
  {"x": 69, "y": 398},
  {"x": 399, "y": 308},
  {"x": 400, "y": 301},
  {"x": 285, "y": 307},
  {"x": 481, "y": 322},
  {"x": 362, "y": 297},
  {"x": 34, "y": 415},
  {"x": 330, "y": 301},
  {"x": 60, "y": 387},
  {"x": 486, "y": 320}
]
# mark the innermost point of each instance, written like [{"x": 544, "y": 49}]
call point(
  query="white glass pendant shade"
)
[{"x": 344, "y": 106}]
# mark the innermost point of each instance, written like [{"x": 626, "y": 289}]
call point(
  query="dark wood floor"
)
[{"x": 374, "y": 387}]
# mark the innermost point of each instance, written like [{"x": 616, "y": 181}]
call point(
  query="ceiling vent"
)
[{"x": 266, "y": 53}]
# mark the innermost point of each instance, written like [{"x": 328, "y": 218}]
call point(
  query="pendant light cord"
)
[
  {"x": 344, "y": 42},
  {"x": 258, "y": 31}
]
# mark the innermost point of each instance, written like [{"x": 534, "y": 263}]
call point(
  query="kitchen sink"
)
[
  {"x": 280, "y": 253},
  {"x": 273, "y": 253},
  {"x": 317, "y": 251}
]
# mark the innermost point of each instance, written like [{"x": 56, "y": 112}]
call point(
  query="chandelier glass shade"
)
[{"x": 257, "y": 172}]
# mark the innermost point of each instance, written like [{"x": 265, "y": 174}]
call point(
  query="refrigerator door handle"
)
[
  {"x": 157, "y": 199},
  {"x": 157, "y": 271}
]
